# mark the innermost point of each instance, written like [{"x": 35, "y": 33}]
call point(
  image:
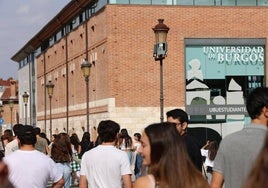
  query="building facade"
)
[
  {"x": 216, "y": 55},
  {"x": 9, "y": 112}
]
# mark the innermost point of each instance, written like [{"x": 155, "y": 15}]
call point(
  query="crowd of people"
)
[{"x": 163, "y": 155}]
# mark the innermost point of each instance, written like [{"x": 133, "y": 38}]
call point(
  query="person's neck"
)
[
  {"x": 27, "y": 148},
  {"x": 108, "y": 143},
  {"x": 260, "y": 121}
]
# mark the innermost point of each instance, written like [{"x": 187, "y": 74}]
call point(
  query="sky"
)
[{"x": 20, "y": 20}]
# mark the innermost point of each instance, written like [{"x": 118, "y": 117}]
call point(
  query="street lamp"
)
[
  {"x": 1, "y": 120},
  {"x": 25, "y": 97},
  {"x": 85, "y": 66},
  {"x": 160, "y": 52},
  {"x": 11, "y": 105},
  {"x": 50, "y": 87},
  {"x": 1, "y": 110}
]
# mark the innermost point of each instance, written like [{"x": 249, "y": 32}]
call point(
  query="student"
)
[
  {"x": 61, "y": 153},
  {"x": 163, "y": 151},
  {"x": 209, "y": 151},
  {"x": 238, "y": 151},
  {"x": 106, "y": 166},
  {"x": 258, "y": 175},
  {"x": 13, "y": 145},
  {"x": 25, "y": 162},
  {"x": 180, "y": 118}
]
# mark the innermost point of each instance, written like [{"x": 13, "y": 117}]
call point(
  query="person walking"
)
[
  {"x": 257, "y": 177},
  {"x": 75, "y": 163},
  {"x": 180, "y": 118},
  {"x": 41, "y": 143},
  {"x": 61, "y": 153},
  {"x": 209, "y": 151},
  {"x": 238, "y": 150},
  {"x": 163, "y": 151},
  {"x": 13, "y": 145},
  {"x": 86, "y": 144},
  {"x": 105, "y": 166},
  {"x": 29, "y": 167}
]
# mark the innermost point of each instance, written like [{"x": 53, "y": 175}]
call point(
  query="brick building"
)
[
  {"x": 9, "y": 103},
  {"x": 216, "y": 55}
]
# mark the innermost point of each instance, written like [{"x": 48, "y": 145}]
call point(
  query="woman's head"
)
[
  {"x": 86, "y": 137},
  {"x": 158, "y": 140},
  {"x": 61, "y": 149},
  {"x": 124, "y": 133},
  {"x": 137, "y": 137},
  {"x": 163, "y": 149},
  {"x": 213, "y": 149}
]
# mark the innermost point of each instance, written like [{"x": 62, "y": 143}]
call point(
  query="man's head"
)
[
  {"x": 180, "y": 118},
  {"x": 16, "y": 129},
  {"x": 37, "y": 131},
  {"x": 26, "y": 135},
  {"x": 257, "y": 103},
  {"x": 108, "y": 130}
]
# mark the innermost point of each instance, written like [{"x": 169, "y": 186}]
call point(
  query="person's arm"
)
[
  {"x": 83, "y": 182},
  {"x": 58, "y": 184},
  {"x": 206, "y": 145},
  {"x": 127, "y": 181},
  {"x": 217, "y": 180},
  {"x": 79, "y": 149}
]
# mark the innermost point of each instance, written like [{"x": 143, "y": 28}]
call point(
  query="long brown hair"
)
[
  {"x": 259, "y": 172},
  {"x": 212, "y": 150},
  {"x": 61, "y": 148},
  {"x": 170, "y": 163}
]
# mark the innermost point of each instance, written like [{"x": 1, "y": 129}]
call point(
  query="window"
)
[{"x": 246, "y": 2}]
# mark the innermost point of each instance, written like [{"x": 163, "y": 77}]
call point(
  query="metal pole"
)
[
  {"x": 161, "y": 92},
  {"x": 11, "y": 109},
  {"x": 25, "y": 113},
  {"x": 50, "y": 121},
  {"x": 87, "y": 92}
]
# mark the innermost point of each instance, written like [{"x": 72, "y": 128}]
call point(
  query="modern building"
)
[{"x": 216, "y": 55}]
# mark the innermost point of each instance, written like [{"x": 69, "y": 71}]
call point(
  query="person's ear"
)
[
  {"x": 184, "y": 125},
  {"x": 265, "y": 111}
]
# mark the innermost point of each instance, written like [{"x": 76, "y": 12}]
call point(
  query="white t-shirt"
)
[
  {"x": 11, "y": 146},
  {"x": 31, "y": 169},
  {"x": 104, "y": 166},
  {"x": 208, "y": 162}
]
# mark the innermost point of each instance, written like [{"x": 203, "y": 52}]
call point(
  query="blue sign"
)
[{"x": 1, "y": 121}]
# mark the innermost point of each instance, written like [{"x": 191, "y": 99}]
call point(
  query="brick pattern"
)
[{"x": 122, "y": 39}]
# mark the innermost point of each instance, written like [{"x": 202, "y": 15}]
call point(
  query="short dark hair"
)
[
  {"x": 16, "y": 129},
  {"x": 8, "y": 133},
  {"x": 256, "y": 100},
  {"x": 108, "y": 130},
  {"x": 178, "y": 114},
  {"x": 26, "y": 135},
  {"x": 37, "y": 131}
]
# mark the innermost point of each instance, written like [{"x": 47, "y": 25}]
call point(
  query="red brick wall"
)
[{"x": 122, "y": 38}]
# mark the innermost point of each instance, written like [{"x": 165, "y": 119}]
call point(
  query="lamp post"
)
[
  {"x": 160, "y": 52},
  {"x": 11, "y": 105},
  {"x": 25, "y": 97},
  {"x": 1, "y": 121},
  {"x": 85, "y": 66},
  {"x": 50, "y": 87},
  {"x": 1, "y": 110}
]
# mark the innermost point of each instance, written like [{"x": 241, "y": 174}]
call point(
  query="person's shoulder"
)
[
  {"x": 12, "y": 143},
  {"x": 143, "y": 182}
]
